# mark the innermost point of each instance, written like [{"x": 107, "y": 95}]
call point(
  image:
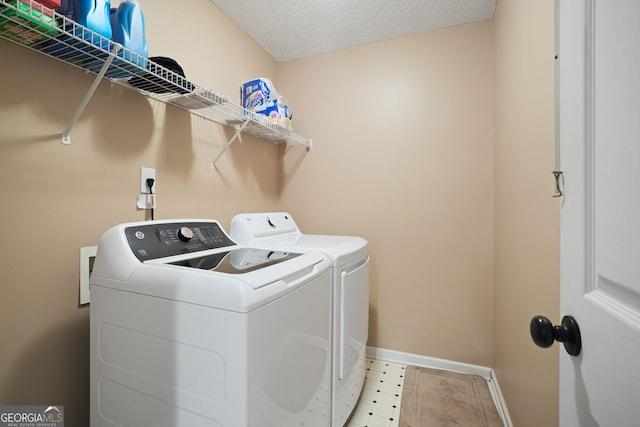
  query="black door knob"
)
[{"x": 544, "y": 333}]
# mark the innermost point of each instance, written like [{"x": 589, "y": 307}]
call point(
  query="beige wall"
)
[
  {"x": 403, "y": 156},
  {"x": 526, "y": 216},
  {"x": 55, "y": 199}
]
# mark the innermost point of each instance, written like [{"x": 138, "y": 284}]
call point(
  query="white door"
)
[{"x": 599, "y": 132}]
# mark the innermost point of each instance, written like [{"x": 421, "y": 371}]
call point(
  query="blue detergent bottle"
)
[
  {"x": 94, "y": 14},
  {"x": 127, "y": 24}
]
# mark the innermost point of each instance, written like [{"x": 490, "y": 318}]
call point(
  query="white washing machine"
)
[
  {"x": 189, "y": 328},
  {"x": 350, "y": 311}
]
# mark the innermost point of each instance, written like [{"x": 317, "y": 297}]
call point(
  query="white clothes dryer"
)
[
  {"x": 350, "y": 312},
  {"x": 189, "y": 328}
]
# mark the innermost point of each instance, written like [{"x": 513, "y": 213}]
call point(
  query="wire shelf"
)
[{"x": 36, "y": 27}]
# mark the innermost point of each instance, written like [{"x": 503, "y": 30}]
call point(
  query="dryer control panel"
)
[
  {"x": 255, "y": 227},
  {"x": 159, "y": 240}
]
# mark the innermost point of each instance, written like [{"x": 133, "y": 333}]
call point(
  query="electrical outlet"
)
[{"x": 146, "y": 173}]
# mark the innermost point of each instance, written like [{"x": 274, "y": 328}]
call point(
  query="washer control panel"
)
[{"x": 159, "y": 240}]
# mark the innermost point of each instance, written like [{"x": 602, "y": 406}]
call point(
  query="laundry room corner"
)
[{"x": 435, "y": 149}]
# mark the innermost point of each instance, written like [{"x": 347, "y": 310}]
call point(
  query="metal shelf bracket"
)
[
  {"x": 66, "y": 137},
  {"x": 231, "y": 140}
]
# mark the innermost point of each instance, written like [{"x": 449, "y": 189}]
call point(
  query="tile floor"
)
[{"x": 379, "y": 404}]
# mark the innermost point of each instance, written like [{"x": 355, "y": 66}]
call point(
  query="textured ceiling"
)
[{"x": 290, "y": 29}]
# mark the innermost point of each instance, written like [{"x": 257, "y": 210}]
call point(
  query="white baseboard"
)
[
  {"x": 447, "y": 365},
  {"x": 428, "y": 362},
  {"x": 498, "y": 399}
]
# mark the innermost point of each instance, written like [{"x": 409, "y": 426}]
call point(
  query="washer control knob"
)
[{"x": 185, "y": 234}]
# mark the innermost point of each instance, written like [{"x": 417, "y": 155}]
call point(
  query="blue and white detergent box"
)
[
  {"x": 261, "y": 97},
  {"x": 256, "y": 93}
]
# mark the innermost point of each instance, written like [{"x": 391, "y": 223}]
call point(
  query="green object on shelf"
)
[{"x": 25, "y": 24}]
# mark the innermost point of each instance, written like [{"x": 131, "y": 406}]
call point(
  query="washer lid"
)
[{"x": 237, "y": 261}]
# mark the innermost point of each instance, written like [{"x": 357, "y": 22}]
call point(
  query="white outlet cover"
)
[
  {"x": 86, "y": 255},
  {"x": 146, "y": 201}
]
